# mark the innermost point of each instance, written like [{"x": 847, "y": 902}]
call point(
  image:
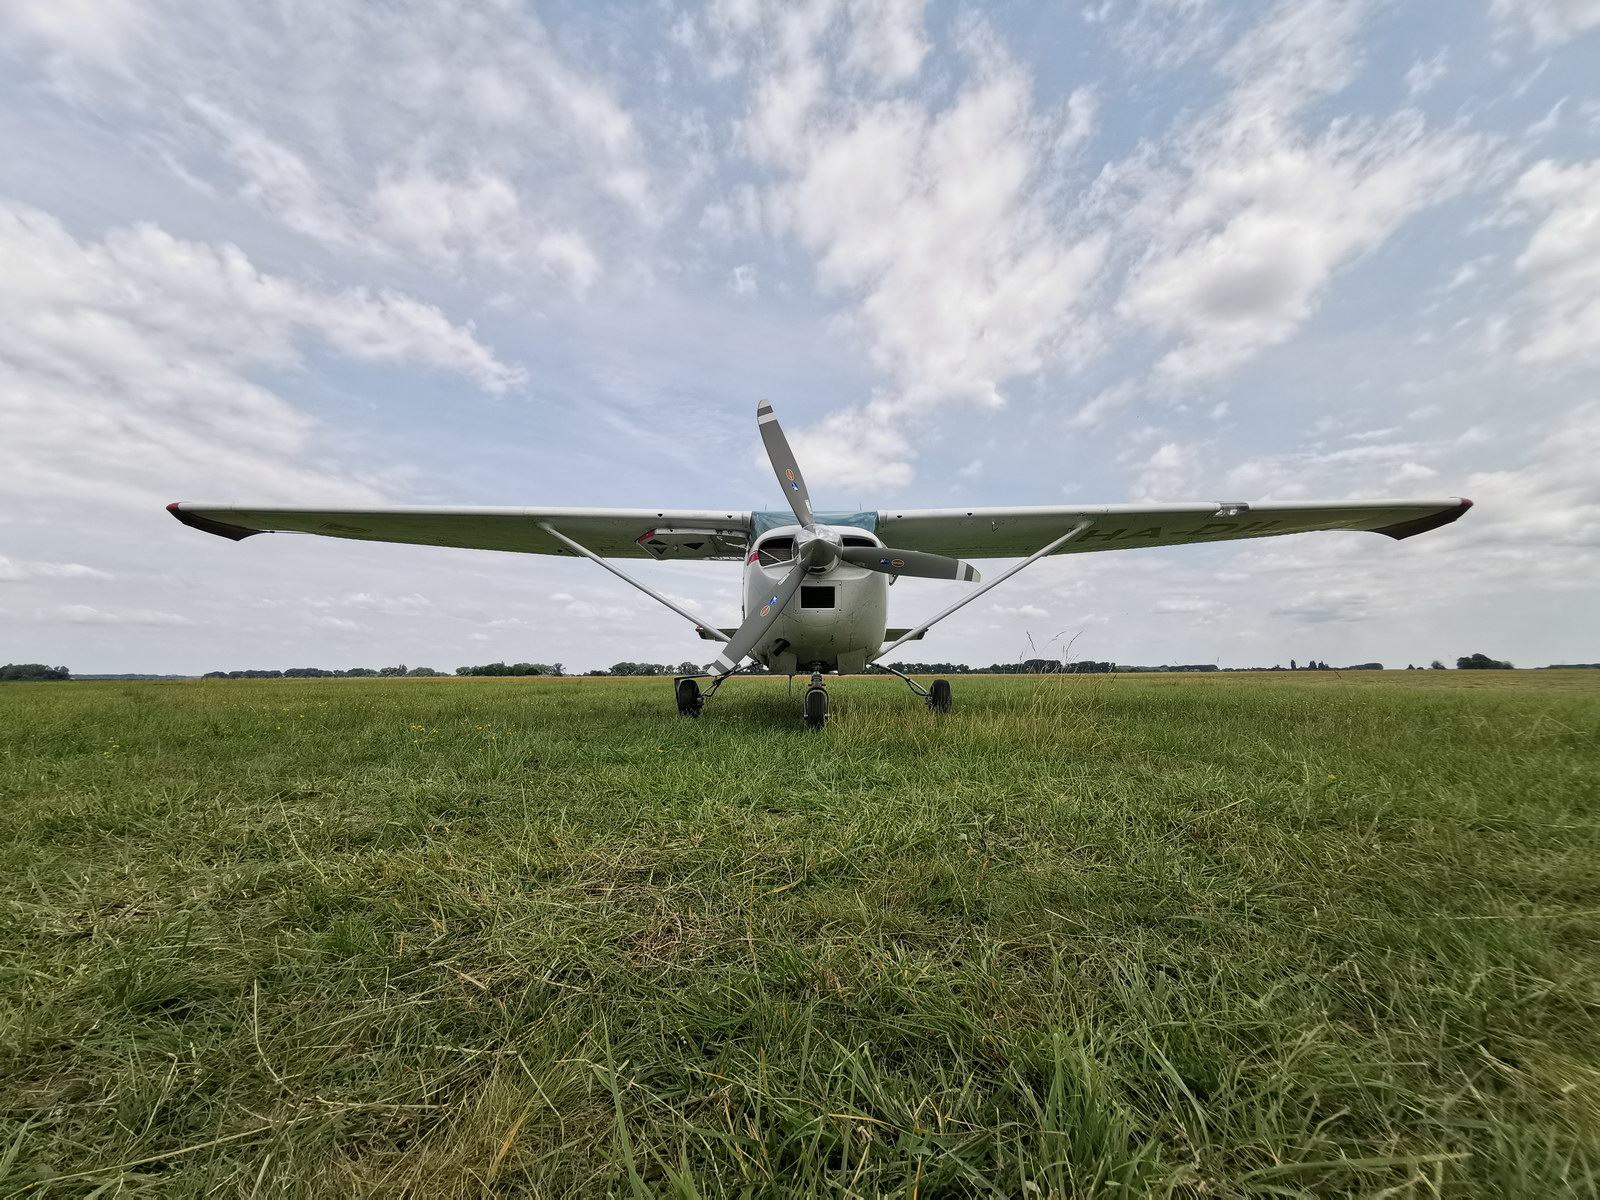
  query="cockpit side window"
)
[{"x": 776, "y": 550}]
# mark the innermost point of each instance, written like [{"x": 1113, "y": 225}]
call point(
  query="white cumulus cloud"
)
[
  {"x": 1561, "y": 262},
  {"x": 130, "y": 363},
  {"x": 1549, "y": 22}
]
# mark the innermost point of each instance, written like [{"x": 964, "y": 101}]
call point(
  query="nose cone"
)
[{"x": 819, "y": 548}]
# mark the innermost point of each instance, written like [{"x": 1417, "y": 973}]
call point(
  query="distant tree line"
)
[
  {"x": 1481, "y": 662},
  {"x": 1028, "y": 666},
  {"x": 498, "y": 669},
  {"x": 494, "y": 670},
  {"x": 32, "y": 672},
  {"x": 395, "y": 672},
  {"x": 645, "y": 668},
  {"x": 1052, "y": 666}
]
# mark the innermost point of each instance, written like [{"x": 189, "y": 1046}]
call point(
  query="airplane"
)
[{"x": 816, "y": 586}]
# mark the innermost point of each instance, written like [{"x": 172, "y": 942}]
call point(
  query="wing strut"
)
[
  {"x": 919, "y": 630},
  {"x": 705, "y": 628}
]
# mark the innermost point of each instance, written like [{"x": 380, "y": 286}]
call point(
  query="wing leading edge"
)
[
  {"x": 609, "y": 532},
  {"x": 1016, "y": 532},
  {"x": 719, "y": 533}
]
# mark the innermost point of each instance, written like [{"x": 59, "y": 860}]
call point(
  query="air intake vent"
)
[{"x": 817, "y": 596}]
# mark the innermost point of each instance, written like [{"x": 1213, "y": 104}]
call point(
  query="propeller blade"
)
[
  {"x": 917, "y": 563},
  {"x": 757, "y": 623},
  {"x": 784, "y": 465}
]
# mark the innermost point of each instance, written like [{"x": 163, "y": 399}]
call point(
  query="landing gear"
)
[
  {"x": 690, "y": 698},
  {"x": 816, "y": 702},
  {"x": 937, "y": 698}
]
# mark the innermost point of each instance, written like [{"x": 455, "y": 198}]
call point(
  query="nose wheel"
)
[{"x": 816, "y": 702}]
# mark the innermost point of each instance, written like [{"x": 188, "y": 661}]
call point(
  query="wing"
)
[
  {"x": 609, "y": 532},
  {"x": 1016, "y": 532}
]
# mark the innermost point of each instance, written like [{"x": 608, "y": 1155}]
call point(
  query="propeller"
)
[
  {"x": 784, "y": 465},
  {"x": 817, "y": 549},
  {"x": 756, "y": 624},
  {"x": 917, "y": 563}
]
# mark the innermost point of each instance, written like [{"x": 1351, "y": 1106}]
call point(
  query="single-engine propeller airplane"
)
[{"x": 816, "y": 587}]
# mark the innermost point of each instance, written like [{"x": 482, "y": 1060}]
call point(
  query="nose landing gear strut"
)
[{"x": 816, "y": 701}]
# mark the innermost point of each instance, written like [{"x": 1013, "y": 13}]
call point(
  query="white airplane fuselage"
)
[{"x": 838, "y": 617}]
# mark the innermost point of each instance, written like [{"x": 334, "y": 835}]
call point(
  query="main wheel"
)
[
  {"x": 816, "y": 707},
  {"x": 939, "y": 695},
  {"x": 690, "y": 701}
]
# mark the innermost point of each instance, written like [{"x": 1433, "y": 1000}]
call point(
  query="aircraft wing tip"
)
[
  {"x": 234, "y": 533},
  {"x": 1433, "y": 520}
]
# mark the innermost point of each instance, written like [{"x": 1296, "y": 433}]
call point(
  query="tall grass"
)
[{"x": 1152, "y": 935}]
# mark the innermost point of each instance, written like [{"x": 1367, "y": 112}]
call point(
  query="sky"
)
[{"x": 328, "y": 252}]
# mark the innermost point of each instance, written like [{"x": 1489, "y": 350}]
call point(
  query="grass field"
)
[{"x": 1166, "y": 935}]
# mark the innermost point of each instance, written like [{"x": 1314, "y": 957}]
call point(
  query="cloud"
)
[
  {"x": 444, "y": 217},
  {"x": 276, "y": 178},
  {"x": 1160, "y": 35},
  {"x": 1017, "y": 610},
  {"x": 1541, "y": 510},
  {"x": 742, "y": 280},
  {"x": 1348, "y": 471},
  {"x": 931, "y": 221},
  {"x": 853, "y": 449},
  {"x": 936, "y": 224},
  {"x": 968, "y": 260},
  {"x": 407, "y": 606},
  {"x": 1561, "y": 263},
  {"x": 1248, "y": 215},
  {"x": 18, "y": 570},
  {"x": 128, "y": 364},
  {"x": 466, "y": 136},
  {"x": 887, "y": 43},
  {"x": 1321, "y": 608},
  {"x": 1425, "y": 74},
  {"x": 606, "y": 614},
  {"x": 1549, "y": 22},
  {"x": 336, "y": 624},
  {"x": 1200, "y": 610},
  {"x": 1172, "y": 470},
  {"x": 96, "y": 33},
  {"x": 83, "y": 614}
]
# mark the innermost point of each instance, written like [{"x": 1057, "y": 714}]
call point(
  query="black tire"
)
[
  {"x": 690, "y": 701},
  {"x": 816, "y": 707},
  {"x": 939, "y": 696}
]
